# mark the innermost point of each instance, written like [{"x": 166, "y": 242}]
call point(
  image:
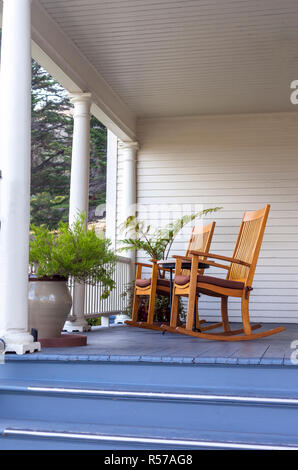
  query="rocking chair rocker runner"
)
[
  {"x": 201, "y": 237},
  {"x": 238, "y": 283}
]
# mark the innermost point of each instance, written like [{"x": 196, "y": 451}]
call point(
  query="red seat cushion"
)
[
  {"x": 143, "y": 282},
  {"x": 215, "y": 281},
  {"x": 181, "y": 280},
  {"x": 147, "y": 282}
]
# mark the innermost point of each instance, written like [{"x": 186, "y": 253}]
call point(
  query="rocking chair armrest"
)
[
  {"x": 146, "y": 265},
  {"x": 224, "y": 258},
  {"x": 216, "y": 265},
  {"x": 183, "y": 258},
  {"x": 160, "y": 268},
  {"x": 163, "y": 268}
]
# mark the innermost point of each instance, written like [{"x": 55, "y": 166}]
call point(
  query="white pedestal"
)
[
  {"x": 105, "y": 321},
  {"x": 78, "y": 325}
]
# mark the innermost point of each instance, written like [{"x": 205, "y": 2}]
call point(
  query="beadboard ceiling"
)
[{"x": 187, "y": 57}]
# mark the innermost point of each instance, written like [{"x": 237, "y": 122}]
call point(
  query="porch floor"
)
[{"x": 129, "y": 344}]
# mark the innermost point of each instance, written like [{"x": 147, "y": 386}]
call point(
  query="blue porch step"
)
[{"x": 118, "y": 405}]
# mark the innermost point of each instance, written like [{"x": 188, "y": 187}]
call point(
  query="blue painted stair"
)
[{"x": 85, "y": 404}]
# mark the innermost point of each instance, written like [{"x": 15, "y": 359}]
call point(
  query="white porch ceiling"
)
[
  {"x": 184, "y": 57},
  {"x": 187, "y": 57}
]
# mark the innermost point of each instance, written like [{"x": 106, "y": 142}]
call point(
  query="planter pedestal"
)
[{"x": 64, "y": 341}]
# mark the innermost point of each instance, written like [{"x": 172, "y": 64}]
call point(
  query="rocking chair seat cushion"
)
[
  {"x": 181, "y": 280},
  {"x": 143, "y": 282},
  {"x": 215, "y": 281},
  {"x": 147, "y": 282}
]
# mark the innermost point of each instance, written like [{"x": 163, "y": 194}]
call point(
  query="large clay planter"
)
[{"x": 49, "y": 305}]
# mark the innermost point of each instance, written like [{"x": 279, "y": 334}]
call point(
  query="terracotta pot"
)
[{"x": 49, "y": 305}]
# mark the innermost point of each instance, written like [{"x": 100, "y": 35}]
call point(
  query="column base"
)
[
  {"x": 23, "y": 348},
  {"x": 76, "y": 326},
  {"x": 19, "y": 342},
  {"x": 105, "y": 321}
]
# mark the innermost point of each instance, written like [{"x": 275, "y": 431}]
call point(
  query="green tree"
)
[
  {"x": 51, "y": 149},
  {"x": 98, "y": 165},
  {"x": 51, "y": 140},
  {"x": 52, "y": 127}
]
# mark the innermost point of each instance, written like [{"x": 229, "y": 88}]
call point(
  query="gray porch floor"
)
[{"x": 128, "y": 344}]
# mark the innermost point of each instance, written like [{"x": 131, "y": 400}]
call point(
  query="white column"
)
[
  {"x": 129, "y": 159},
  {"x": 129, "y": 152},
  {"x": 79, "y": 191},
  {"x": 15, "y": 158},
  {"x": 111, "y": 192}
]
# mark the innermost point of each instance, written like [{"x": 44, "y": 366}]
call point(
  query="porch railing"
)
[{"x": 116, "y": 303}]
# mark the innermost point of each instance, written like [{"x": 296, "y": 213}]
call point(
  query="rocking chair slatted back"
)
[
  {"x": 201, "y": 237},
  {"x": 248, "y": 245}
]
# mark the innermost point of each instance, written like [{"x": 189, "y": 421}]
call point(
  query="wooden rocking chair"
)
[
  {"x": 201, "y": 237},
  {"x": 238, "y": 283}
]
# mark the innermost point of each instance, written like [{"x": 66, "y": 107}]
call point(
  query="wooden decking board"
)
[{"x": 128, "y": 344}]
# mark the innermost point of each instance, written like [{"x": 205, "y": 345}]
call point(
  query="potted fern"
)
[{"x": 56, "y": 256}]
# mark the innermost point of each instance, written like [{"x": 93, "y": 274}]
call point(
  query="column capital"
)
[
  {"x": 82, "y": 104},
  {"x": 129, "y": 145},
  {"x": 79, "y": 97}
]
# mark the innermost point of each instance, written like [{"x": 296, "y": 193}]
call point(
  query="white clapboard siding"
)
[{"x": 239, "y": 162}]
